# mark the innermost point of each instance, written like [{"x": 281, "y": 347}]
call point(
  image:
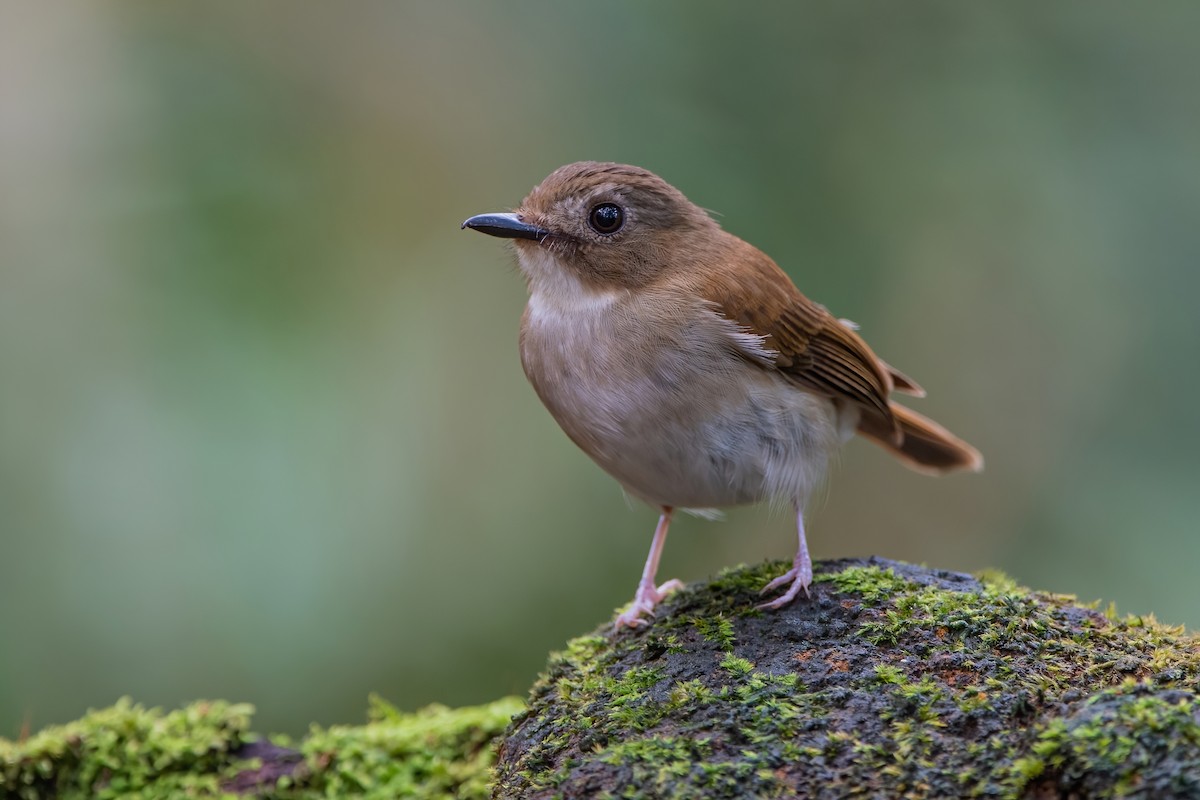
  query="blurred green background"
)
[{"x": 263, "y": 430}]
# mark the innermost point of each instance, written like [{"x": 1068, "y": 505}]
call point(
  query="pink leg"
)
[
  {"x": 800, "y": 575},
  {"x": 648, "y": 595}
]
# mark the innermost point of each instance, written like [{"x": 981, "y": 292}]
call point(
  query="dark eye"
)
[{"x": 606, "y": 218}]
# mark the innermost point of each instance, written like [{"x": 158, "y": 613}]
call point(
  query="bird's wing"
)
[{"x": 810, "y": 346}]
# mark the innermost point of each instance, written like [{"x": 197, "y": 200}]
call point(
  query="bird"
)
[{"x": 687, "y": 364}]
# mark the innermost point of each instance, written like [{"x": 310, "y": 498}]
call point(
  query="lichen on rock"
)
[{"x": 890, "y": 681}]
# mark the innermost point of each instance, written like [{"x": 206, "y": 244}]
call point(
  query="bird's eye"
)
[{"x": 606, "y": 218}]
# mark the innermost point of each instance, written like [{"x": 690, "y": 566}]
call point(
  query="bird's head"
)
[{"x": 597, "y": 226}]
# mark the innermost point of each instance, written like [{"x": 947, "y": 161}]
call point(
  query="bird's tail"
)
[{"x": 923, "y": 445}]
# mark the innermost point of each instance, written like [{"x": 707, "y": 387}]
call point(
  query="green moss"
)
[
  {"x": 1129, "y": 739},
  {"x": 887, "y": 673},
  {"x": 718, "y": 630},
  {"x": 736, "y": 666},
  {"x": 631, "y": 707},
  {"x": 869, "y": 583},
  {"x": 128, "y": 751},
  {"x": 890, "y": 681},
  {"x": 732, "y": 583},
  {"x": 434, "y": 753},
  {"x": 680, "y": 768},
  {"x": 996, "y": 580}
]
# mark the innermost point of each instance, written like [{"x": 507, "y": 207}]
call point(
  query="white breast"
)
[{"x": 662, "y": 393}]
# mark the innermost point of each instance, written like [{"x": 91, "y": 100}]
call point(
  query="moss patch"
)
[
  {"x": 206, "y": 751},
  {"x": 892, "y": 680},
  {"x": 129, "y": 751}
]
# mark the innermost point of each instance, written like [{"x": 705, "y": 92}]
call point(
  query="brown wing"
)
[{"x": 814, "y": 348}]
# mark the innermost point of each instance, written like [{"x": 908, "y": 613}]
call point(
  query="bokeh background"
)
[{"x": 263, "y": 430}]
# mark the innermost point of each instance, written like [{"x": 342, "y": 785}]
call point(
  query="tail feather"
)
[
  {"x": 924, "y": 445},
  {"x": 901, "y": 382}
]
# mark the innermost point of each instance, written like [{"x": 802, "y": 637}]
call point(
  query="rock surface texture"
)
[{"x": 890, "y": 681}]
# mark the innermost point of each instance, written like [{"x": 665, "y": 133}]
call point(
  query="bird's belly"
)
[{"x": 695, "y": 439}]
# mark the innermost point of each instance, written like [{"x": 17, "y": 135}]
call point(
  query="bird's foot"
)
[
  {"x": 799, "y": 576},
  {"x": 644, "y": 601}
]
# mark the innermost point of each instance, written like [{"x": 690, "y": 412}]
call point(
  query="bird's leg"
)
[
  {"x": 648, "y": 595},
  {"x": 800, "y": 575}
]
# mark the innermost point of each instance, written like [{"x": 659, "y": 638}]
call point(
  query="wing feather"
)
[{"x": 811, "y": 346}]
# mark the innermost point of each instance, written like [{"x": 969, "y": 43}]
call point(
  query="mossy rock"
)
[
  {"x": 890, "y": 681},
  {"x": 206, "y": 750}
]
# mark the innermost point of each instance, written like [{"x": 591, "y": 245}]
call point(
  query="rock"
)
[{"x": 890, "y": 681}]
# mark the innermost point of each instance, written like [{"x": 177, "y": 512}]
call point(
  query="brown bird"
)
[{"x": 688, "y": 365}]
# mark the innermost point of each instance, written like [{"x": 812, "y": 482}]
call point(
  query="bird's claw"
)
[
  {"x": 799, "y": 578},
  {"x": 648, "y": 596}
]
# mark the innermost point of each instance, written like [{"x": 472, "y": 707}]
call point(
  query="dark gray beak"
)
[{"x": 507, "y": 226}]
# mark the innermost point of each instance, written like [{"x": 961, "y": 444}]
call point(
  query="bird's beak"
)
[{"x": 507, "y": 226}]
